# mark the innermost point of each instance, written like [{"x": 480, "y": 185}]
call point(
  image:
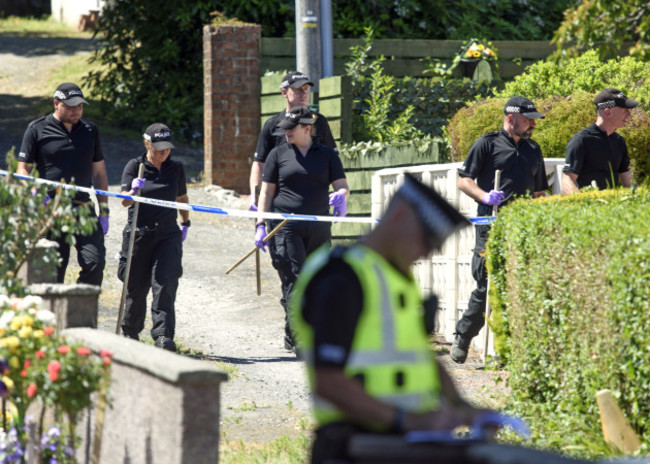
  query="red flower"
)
[
  {"x": 28, "y": 364},
  {"x": 31, "y": 390},
  {"x": 105, "y": 353},
  {"x": 49, "y": 330},
  {"x": 63, "y": 349},
  {"x": 107, "y": 361},
  {"x": 83, "y": 351},
  {"x": 54, "y": 366},
  {"x": 54, "y": 376},
  {"x": 39, "y": 354},
  {"x": 23, "y": 373}
]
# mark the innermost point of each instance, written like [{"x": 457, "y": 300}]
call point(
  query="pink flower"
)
[
  {"x": 63, "y": 349},
  {"x": 54, "y": 366},
  {"x": 39, "y": 354},
  {"x": 23, "y": 373},
  {"x": 28, "y": 364},
  {"x": 31, "y": 390},
  {"x": 49, "y": 330},
  {"x": 83, "y": 351},
  {"x": 105, "y": 353},
  {"x": 106, "y": 361}
]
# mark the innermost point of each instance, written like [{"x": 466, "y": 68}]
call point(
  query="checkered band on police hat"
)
[
  {"x": 70, "y": 94},
  {"x": 609, "y": 98},
  {"x": 521, "y": 105},
  {"x": 294, "y": 80},
  {"x": 296, "y": 115}
]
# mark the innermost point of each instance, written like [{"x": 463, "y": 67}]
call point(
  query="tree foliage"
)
[{"x": 606, "y": 26}]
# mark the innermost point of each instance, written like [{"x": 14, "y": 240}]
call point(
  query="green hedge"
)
[
  {"x": 564, "y": 117},
  {"x": 570, "y": 301}
]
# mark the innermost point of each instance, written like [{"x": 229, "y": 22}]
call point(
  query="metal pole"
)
[
  {"x": 327, "y": 47},
  {"x": 125, "y": 285},
  {"x": 308, "y": 53}
]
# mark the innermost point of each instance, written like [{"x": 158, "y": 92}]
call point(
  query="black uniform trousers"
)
[
  {"x": 157, "y": 265},
  {"x": 289, "y": 249},
  {"x": 91, "y": 255},
  {"x": 474, "y": 318}
]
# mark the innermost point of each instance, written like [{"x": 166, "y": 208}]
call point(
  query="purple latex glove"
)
[
  {"x": 260, "y": 235},
  {"x": 103, "y": 221},
  {"x": 337, "y": 200},
  {"x": 47, "y": 199},
  {"x": 184, "y": 233},
  {"x": 493, "y": 197},
  {"x": 137, "y": 183},
  {"x": 252, "y": 206}
]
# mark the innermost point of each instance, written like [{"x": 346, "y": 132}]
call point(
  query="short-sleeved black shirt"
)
[
  {"x": 302, "y": 182},
  {"x": 273, "y": 136},
  {"x": 60, "y": 154},
  {"x": 166, "y": 184},
  {"x": 332, "y": 305},
  {"x": 594, "y": 155},
  {"x": 522, "y": 166}
]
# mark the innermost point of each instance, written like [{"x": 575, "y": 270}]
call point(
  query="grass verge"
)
[{"x": 46, "y": 26}]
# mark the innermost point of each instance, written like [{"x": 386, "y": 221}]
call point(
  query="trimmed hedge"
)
[
  {"x": 570, "y": 301},
  {"x": 565, "y": 116}
]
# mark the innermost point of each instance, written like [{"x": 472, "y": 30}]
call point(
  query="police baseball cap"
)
[
  {"x": 296, "y": 115},
  {"x": 295, "y": 80},
  {"x": 160, "y": 136},
  {"x": 521, "y": 105},
  {"x": 438, "y": 217},
  {"x": 610, "y": 98},
  {"x": 70, "y": 94}
]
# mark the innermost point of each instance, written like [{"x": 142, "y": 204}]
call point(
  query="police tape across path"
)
[{"x": 486, "y": 220}]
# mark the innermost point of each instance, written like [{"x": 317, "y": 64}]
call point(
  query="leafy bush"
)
[
  {"x": 26, "y": 216},
  {"x": 585, "y": 73},
  {"x": 570, "y": 299}
]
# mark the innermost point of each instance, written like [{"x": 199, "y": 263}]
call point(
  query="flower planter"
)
[{"x": 467, "y": 67}]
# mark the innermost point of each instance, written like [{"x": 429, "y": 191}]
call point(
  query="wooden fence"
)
[{"x": 404, "y": 57}]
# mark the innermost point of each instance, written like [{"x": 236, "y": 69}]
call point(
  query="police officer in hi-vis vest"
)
[{"x": 358, "y": 317}]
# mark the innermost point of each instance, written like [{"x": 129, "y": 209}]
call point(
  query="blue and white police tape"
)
[{"x": 213, "y": 209}]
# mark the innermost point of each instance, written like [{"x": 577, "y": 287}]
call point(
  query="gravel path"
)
[{"x": 218, "y": 315}]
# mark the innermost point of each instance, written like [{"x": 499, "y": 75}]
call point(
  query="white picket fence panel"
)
[{"x": 447, "y": 272}]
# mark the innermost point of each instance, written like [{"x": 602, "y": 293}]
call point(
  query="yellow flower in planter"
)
[
  {"x": 25, "y": 332},
  {"x": 14, "y": 362},
  {"x": 8, "y": 382},
  {"x": 12, "y": 342}
]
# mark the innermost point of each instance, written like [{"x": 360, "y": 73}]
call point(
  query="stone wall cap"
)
[
  {"x": 163, "y": 364},
  {"x": 63, "y": 289}
]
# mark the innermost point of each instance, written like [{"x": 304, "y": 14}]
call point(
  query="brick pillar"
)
[{"x": 231, "y": 79}]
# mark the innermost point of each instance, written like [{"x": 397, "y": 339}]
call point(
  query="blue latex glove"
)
[
  {"x": 184, "y": 233},
  {"x": 252, "y": 206},
  {"x": 103, "y": 221},
  {"x": 337, "y": 200},
  {"x": 493, "y": 197},
  {"x": 138, "y": 183},
  {"x": 260, "y": 235},
  {"x": 497, "y": 420}
]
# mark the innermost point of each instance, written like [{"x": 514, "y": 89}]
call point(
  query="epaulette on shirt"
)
[{"x": 36, "y": 121}]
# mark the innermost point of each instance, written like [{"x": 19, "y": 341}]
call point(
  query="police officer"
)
[
  {"x": 597, "y": 153},
  {"x": 297, "y": 176},
  {"x": 157, "y": 250},
  {"x": 359, "y": 325},
  {"x": 66, "y": 146},
  {"x": 295, "y": 89},
  {"x": 522, "y": 172}
]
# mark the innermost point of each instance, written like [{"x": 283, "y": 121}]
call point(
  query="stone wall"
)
[
  {"x": 162, "y": 407},
  {"x": 231, "y": 70}
]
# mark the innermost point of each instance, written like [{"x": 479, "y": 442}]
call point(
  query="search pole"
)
[{"x": 308, "y": 46}]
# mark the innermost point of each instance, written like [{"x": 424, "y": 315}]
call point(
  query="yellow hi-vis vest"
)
[{"x": 391, "y": 351}]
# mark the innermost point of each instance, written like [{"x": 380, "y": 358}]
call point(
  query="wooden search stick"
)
[
  {"x": 257, "y": 272},
  {"x": 266, "y": 239},
  {"x": 495, "y": 208}
]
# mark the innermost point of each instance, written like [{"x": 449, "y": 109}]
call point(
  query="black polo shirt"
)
[
  {"x": 273, "y": 136},
  {"x": 594, "y": 155},
  {"x": 59, "y": 154},
  {"x": 521, "y": 165},
  {"x": 302, "y": 182},
  {"x": 166, "y": 184}
]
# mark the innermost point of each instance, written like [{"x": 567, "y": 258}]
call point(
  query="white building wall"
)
[{"x": 69, "y": 11}]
